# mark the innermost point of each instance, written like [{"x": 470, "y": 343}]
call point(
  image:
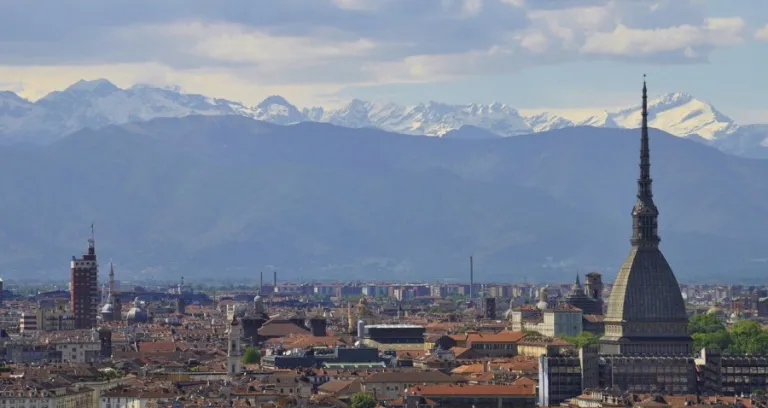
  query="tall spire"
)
[{"x": 645, "y": 214}]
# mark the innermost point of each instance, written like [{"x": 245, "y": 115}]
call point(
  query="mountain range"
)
[
  {"x": 97, "y": 103},
  {"x": 230, "y": 196}
]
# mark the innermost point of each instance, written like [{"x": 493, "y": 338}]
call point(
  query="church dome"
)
[
  {"x": 107, "y": 308},
  {"x": 137, "y": 314},
  {"x": 714, "y": 310}
]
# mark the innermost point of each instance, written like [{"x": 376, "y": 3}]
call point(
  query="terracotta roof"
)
[
  {"x": 409, "y": 377},
  {"x": 502, "y": 337},
  {"x": 472, "y": 390}
]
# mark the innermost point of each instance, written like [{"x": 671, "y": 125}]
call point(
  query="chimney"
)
[{"x": 275, "y": 279}]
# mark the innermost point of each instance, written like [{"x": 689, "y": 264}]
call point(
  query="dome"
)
[
  {"x": 542, "y": 305},
  {"x": 107, "y": 308},
  {"x": 714, "y": 310},
  {"x": 257, "y": 299},
  {"x": 362, "y": 301},
  {"x": 137, "y": 314}
]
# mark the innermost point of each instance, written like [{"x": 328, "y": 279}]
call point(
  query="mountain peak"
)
[
  {"x": 94, "y": 85},
  {"x": 273, "y": 100}
]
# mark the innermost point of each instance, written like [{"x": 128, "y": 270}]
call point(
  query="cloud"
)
[
  {"x": 317, "y": 45},
  {"x": 690, "y": 40},
  {"x": 762, "y": 33}
]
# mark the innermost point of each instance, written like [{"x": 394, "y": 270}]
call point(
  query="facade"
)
[
  {"x": 668, "y": 375},
  {"x": 234, "y": 352},
  {"x": 84, "y": 299},
  {"x": 586, "y": 298},
  {"x": 732, "y": 375},
  {"x": 39, "y": 396},
  {"x": 28, "y": 322},
  {"x": 85, "y": 351},
  {"x": 646, "y": 313},
  {"x": 562, "y": 320}
]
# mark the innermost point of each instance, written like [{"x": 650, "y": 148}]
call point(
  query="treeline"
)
[{"x": 744, "y": 337}]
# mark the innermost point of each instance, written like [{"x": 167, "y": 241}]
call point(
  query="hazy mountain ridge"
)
[
  {"x": 230, "y": 196},
  {"x": 98, "y": 103}
]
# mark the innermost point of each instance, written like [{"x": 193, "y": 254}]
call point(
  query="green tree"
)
[
  {"x": 251, "y": 356},
  {"x": 748, "y": 338},
  {"x": 705, "y": 323},
  {"x": 582, "y": 340},
  {"x": 364, "y": 400},
  {"x": 717, "y": 340}
]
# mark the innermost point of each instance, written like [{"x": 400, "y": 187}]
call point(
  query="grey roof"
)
[{"x": 646, "y": 290}]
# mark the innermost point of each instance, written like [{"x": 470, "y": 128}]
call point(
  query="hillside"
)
[{"x": 230, "y": 196}]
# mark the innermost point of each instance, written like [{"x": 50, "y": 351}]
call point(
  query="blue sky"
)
[{"x": 532, "y": 54}]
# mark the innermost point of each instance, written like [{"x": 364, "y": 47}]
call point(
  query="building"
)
[
  {"x": 646, "y": 313},
  {"x": 393, "y": 336},
  {"x": 53, "y": 315},
  {"x": 502, "y": 344},
  {"x": 478, "y": 396},
  {"x": 84, "y": 297},
  {"x": 112, "y": 309},
  {"x": 53, "y": 393},
  {"x": 28, "y": 322},
  {"x": 234, "y": 352},
  {"x": 586, "y": 298},
  {"x": 732, "y": 375},
  {"x": 561, "y": 320}
]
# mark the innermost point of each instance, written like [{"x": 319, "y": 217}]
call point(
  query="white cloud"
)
[
  {"x": 317, "y": 46},
  {"x": 762, "y": 33},
  {"x": 625, "y": 41}
]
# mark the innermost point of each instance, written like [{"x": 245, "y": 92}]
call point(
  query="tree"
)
[
  {"x": 718, "y": 340},
  {"x": 251, "y": 356},
  {"x": 583, "y": 339},
  {"x": 705, "y": 323},
  {"x": 364, "y": 400},
  {"x": 748, "y": 338}
]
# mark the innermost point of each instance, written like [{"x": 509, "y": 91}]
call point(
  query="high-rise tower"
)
[
  {"x": 83, "y": 292},
  {"x": 646, "y": 313}
]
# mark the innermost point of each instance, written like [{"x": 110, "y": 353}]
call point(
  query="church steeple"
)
[{"x": 645, "y": 214}]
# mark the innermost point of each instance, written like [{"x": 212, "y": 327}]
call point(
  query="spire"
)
[
  {"x": 578, "y": 282},
  {"x": 645, "y": 214},
  {"x": 111, "y": 277}
]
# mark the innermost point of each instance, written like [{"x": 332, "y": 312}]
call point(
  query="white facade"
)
[
  {"x": 80, "y": 352},
  {"x": 234, "y": 352},
  {"x": 554, "y": 323}
]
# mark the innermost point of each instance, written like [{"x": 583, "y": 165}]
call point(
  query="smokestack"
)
[
  {"x": 261, "y": 284},
  {"x": 471, "y": 279},
  {"x": 275, "y": 279}
]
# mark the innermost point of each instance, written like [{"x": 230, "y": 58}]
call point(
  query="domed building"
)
[
  {"x": 646, "y": 312},
  {"x": 543, "y": 303},
  {"x": 579, "y": 298},
  {"x": 107, "y": 312},
  {"x": 137, "y": 314},
  {"x": 253, "y": 320}
]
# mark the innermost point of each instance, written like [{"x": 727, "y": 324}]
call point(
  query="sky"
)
[{"x": 556, "y": 55}]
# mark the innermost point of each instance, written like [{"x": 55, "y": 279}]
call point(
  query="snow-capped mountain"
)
[
  {"x": 99, "y": 102},
  {"x": 680, "y": 114}
]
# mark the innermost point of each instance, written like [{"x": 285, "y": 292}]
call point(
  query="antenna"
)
[{"x": 471, "y": 278}]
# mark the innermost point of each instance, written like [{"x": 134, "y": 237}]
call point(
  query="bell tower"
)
[{"x": 234, "y": 352}]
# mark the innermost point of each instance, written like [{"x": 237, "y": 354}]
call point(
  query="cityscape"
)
[{"x": 601, "y": 244}]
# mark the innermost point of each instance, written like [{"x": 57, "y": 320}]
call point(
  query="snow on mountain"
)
[
  {"x": 431, "y": 119},
  {"x": 277, "y": 110},
  {"x": 98, "y": 103},
  {"x": 605, "y": 119},
  {"x": 680, "y": 114},
  {"x": 546, "y": 121}
]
